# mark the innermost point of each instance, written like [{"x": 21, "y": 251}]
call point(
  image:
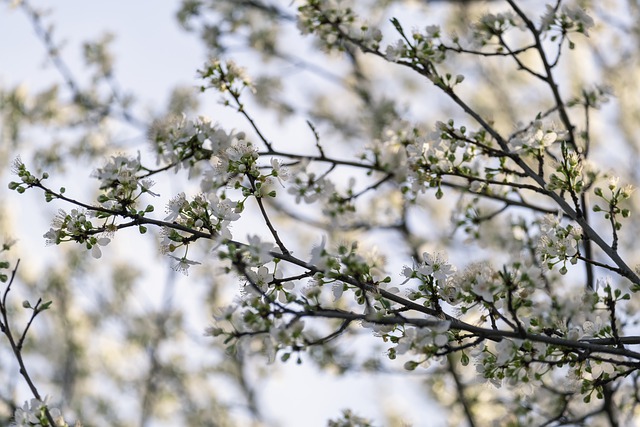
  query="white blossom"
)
[{"x": 182, "y": 264}]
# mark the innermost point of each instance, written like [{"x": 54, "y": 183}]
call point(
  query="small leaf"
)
[{"x": 397, "y": 25}]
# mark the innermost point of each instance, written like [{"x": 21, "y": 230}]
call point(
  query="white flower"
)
[
  {"x": 95, "y": 249},
  {"x": 175, "y": 206},
  {"x": 536, "y": 137},
  {"x": 439, "y": 333},
  {"x": 408, "y": 271},
  {"x": 548, "y": 18},
  {"x": 223, "y": 209},
  {"x": 283, "y": 289},
  {"x": 543, "y": 139},
  {"x": 600, "y": 368},
  {"x": 319, "y": 255},
  {"x": 119, "y": 169},
  {"x": 396, "y": 52},
  {"x": 259, "y": 251},
  {"x": 145, "y": 186},
  {"x": 436, "y": 265},
  {"x": 505, "y": 349},
  {"x": 260, "y": 278},
  {"x": 280, "y": 172},
  {"x": 579, "y": 17},
  {"x": 592, "y": 329},
  {"x": 337, "y": 289},
  {"x": 433, "y": 31},
  {"x": 31, "y": 413},
  {"x": 313, "y": 290},
  {"x": 483, "y": 288},
  {"x": 183, "y": 264},
  {"x": 23, "y": 416},
  {"x": 240, "y": 149},
  {"x": 52, "y": 236},
  {"x": 570, "y": 18}
]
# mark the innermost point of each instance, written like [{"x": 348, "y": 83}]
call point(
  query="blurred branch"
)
[
  {"x": 46, "y": 36},
  {"x": 5, "y": 328}
]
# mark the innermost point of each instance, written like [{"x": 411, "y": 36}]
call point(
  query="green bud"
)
[
  {"x": 464, "y": 359},
  {"x": 410, "y": 365}
]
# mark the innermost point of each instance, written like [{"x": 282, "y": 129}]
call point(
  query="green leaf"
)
[{"x": 397, "y": 25}]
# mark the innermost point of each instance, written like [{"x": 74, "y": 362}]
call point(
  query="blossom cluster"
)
[
  {"x": 594, "y": 97},
  {"x": 27, "y": 179},
  {"x": 570, "y": 174},
  {"x": 418, "y": 158},
  {"x": 433, "y": 266},
  {"x": 423, "y": 47},
  {"x": 225, "y": 77},
  {"x": 558, "y": 243},
  {"x": 422, "y": 341},
  {"x": 205, "y": 212},
  {"x": 121, "y": 184},
  {"x": 491, "y": 27},
  {"x": 536, "y": 138},
  {"x": 334, "y": 24},
  {"x": 343, "y": 272},
  {"x": 32, "y": 413},
  {"x": 75, "y": 226},
  {"x": 569, "y": 18},
  {"x": 226, "y": 157},
  {"x": 306, "y": 186},
  {"x": 181, "y": 142},
  {"x": 260, "y": 309},
  {"x": 614, "y": 196}
]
